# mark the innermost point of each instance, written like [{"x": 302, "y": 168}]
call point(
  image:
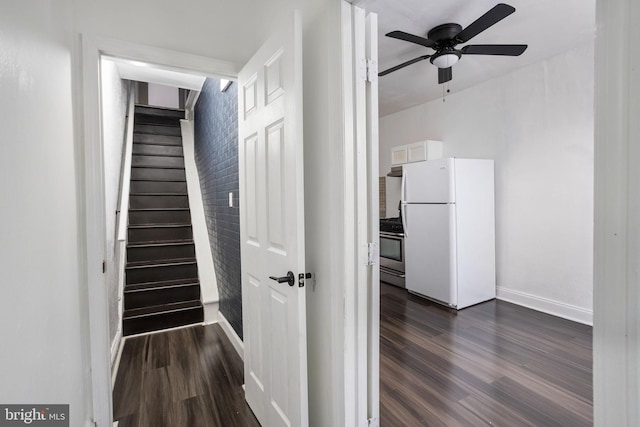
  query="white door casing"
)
[{"x": 272, "y": 229}]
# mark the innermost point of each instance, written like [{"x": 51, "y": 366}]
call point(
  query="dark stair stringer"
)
[{"x": 162, "y": 289}]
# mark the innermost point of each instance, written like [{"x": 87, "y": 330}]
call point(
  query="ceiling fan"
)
[{"x": 444, "y": 38}]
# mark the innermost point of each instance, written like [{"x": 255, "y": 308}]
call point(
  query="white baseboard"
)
[
  {"x": 115, "y": 345},
  {"x": 211, "y": 312},
  {"x": 231, "y": 334},
  {"x": 545, "y": 305},
  {"x": 115, "y": 361}
]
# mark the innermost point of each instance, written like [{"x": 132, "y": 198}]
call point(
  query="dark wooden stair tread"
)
[
  {"x": 160, "y": 263},
  {"x": 151, "y": 110},
  {"x": 147, "y": 134},
  {"x": 150, "y": 286},
  {"x": 137, "y": 265},
  {"x": 160, "y": 225},
  {"x": 158, "y": 194},
  {"x": 157, "y": 129},
  {"x": 156, "y": 310},
  {"x": 180, "y": 242}
]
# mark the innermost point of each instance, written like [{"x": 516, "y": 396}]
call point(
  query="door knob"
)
[{"x": 289, "y": 278}]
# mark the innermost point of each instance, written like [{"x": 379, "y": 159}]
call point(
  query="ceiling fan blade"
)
[
  {"x": 404, "y": 64},
  {"x": 444, "y": 75},
  {"x": 494, "y": 49},
  {"x": 401, "y": 35},
  {"x": 493, "y": 16}
]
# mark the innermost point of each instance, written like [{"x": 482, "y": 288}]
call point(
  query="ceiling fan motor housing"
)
[{"x": 444, "y": 35}]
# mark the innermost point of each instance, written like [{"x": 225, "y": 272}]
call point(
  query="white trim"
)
[
  {"x": 167, "y": 59},
  {"x": 125, "y": 178},
  {"x": 94, "y": 230},
  {"x": 211, "y": 311},
  {"x": 115, "y": 347},
  {"x": 190, "y": 105},
  {"x": 373, "y": 145},
  {"x": 350, "y": 361},
  {"x": 546, "y": 305},
  {"x": 206, "y": 270},
  {"x": 123, "y": 220},
  {"x": 360, "y": 153},
  {"x": 231, "y": 334},
  {"x": 89, "y": 119},
  {"x": 616, "y": 347},
  {"x": 116, "y": 364}
]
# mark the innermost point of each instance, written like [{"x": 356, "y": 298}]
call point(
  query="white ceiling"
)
[
  {"x": 151, "y": 73},
  {"x": 549, "y": 27}
]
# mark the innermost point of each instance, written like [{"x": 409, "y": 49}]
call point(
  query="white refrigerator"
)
[{"x": 448, "y": 215}]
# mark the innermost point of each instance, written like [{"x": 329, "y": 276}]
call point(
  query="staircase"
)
[{"x": 161, "y": 287}]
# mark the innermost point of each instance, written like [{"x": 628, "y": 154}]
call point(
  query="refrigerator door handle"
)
[
  {"x": 403, "y": 219},
  {"x": 404, "y": 178}
]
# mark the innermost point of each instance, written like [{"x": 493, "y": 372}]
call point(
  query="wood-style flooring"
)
[
  {"x": 494, "y": 364},
  {"x": 181, "y": 378}
]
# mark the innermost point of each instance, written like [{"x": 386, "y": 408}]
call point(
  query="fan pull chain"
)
[{"x": 444, "y": 92}]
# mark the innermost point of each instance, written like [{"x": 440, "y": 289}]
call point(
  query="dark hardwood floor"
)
[
  {"x": 181, "y": 378},
  {"x": 494, "y": 364}
]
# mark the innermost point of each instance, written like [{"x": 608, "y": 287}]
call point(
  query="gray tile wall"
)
[{"x": 216, "y": 150}]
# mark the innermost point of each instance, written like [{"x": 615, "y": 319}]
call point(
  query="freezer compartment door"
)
[
  {"x": 428, "y": 182},
  {"x": 430, "y": 261}
]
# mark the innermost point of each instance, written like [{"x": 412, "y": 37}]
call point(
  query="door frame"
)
[
  {"x": 88, "y": 130},
  {"x": 362, "y": 291},
  {"x": 92, "y": 220},
  {"x": 616, "y": 293}
]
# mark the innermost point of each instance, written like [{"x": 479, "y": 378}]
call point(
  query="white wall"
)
[
  {"x": 224, "y": 29},
  {"x": 537, "y": 123},
  {"x": 114, "y": 111},
  {"x": 163, "y": 96},
  {"x": 42, "y": 309}
]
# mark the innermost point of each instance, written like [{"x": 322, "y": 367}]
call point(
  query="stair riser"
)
[
  {"x": 161, "y": 273},
  {"x": 158, "y": 111},
  {"x": 140, "y": 235},
  {"x": 157, "y": 130},
  {"x": 151, "y": 297},
  {"x": 157, "y": 150},
  {"x": 159, "y": 217},
  {"x": 143, "y": 161},
  {"x": 158, "y": 187},
  {"x": 160, "y": 253},
  {"x": 163, "y": 321},
  {"x": 157, "y": 202},
  {"x": 150, "y": 174},
  {"x": 150, "y": 138},
  {"x": 156, "y": 120}
]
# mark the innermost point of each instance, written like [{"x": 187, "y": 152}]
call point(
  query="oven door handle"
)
[{"x": 392, "y": 272}]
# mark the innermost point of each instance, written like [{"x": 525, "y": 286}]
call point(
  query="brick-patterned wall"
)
[{"x": 216, "y": 149}]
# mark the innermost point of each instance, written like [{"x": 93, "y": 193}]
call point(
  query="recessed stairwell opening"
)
[{"x": 162, "y": 288}]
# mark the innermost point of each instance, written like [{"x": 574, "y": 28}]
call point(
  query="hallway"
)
[{"x": 183, "y": 377}]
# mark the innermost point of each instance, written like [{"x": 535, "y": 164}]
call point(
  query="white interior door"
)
[{"x": 272, "y": 230}]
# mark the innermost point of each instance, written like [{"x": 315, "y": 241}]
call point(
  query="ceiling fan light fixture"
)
[{"x": 445, "y": 59}]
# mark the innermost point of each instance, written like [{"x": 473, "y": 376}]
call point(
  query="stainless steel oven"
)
[{"x": 392, "y": 258}]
